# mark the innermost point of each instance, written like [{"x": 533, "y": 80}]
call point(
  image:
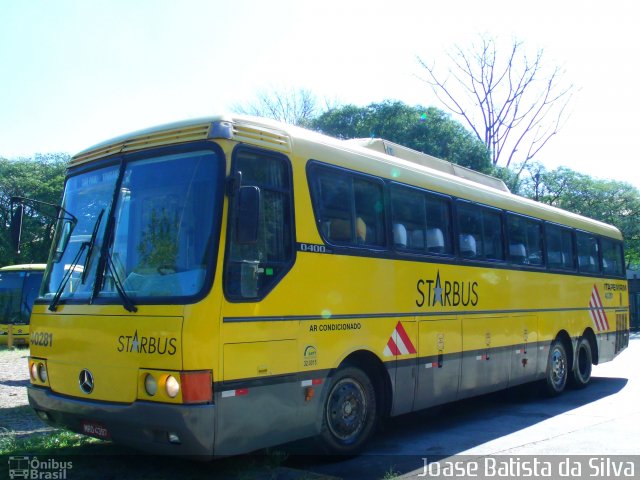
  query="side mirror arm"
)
[{"x": 17, "y": 216}]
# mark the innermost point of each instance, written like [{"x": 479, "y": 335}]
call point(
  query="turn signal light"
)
[{"x": 196, "y": 387}]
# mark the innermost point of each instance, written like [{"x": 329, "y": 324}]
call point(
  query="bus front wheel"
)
[
  {"x": 582, "y": 370},
  {"x": 557, "y": 371},
  {"x": 349, "y": 413}
]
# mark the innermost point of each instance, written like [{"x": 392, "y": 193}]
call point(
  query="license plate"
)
[{"x": 94, "y": 429}]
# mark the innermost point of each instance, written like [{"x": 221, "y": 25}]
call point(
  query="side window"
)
[
  {"x": 438, "y": 234},
  {"x": 612, "y": 257},
  {"x": 560, "y": 252},
  {"x": 479, "y": 232},
  {"x": 334, "y": 207},
  {"x": 408, "y": 219},
  {"x": 420, "y": 221},
  {"x": 369, "y": 212},
  {"x": 252, "y": 270},
  {"x": 525, "y": 240},
  {"x": 587, "y": 245},
  {"x": 349, "y": 207},
  {"x": 30, "y": 293}
]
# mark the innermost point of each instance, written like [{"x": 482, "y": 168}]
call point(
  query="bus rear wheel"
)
[
  {"x": 557, "y": 372},
  {"x": 582, "y": 371},
  {"x": 350, "y": 412}
]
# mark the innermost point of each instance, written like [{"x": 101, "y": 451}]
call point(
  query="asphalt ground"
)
[{"x": 599, "y": 424}]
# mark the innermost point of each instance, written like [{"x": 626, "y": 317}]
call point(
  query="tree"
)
[
  {"x": 296, "y": 107},
  {"x": 40, "y": 178},
  {"x": 428, "y": 130},
  {"x": 512, "y": 103},
  {"x": 610, "y": 201}
]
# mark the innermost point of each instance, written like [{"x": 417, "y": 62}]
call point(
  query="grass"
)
[
  {"x": 390, "y": 474},
  {"x": 57, "y": 443},
  {"x": 90, "y": 456}
]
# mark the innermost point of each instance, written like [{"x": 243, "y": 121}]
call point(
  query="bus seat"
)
[
  {"x": 417, "y": 239},
  {"x": 399, "y": 235},
  {"x": 435, "y": 240},
  {"x": 339, "y": 230},
  {"x": 517, "y": 253},
  {"x": 587, "y": 261},
  {"x": 555, "y": 258},
  {"x": 361, "y": 230},
  {"x": 467, "y": 245}
]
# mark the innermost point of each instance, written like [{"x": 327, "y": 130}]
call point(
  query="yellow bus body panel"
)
[{"x": 112, "y": 345}]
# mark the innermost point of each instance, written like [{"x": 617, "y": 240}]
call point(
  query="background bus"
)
[
  {"x": 19, "y": 286},
  {"x": 234, "y": 283}
]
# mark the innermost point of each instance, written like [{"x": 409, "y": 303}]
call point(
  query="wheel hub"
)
[{"x": 347, "y": 410}]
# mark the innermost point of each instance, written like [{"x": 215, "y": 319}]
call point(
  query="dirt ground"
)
[{"x": 16, "y": 418}]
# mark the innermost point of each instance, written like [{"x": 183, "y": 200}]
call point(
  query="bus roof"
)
[
  {"x": 24, "y": 267},
  {"x": 391, "y": 161}
]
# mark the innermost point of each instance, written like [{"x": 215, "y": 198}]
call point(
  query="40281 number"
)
[{"x": 42, "y": 339}]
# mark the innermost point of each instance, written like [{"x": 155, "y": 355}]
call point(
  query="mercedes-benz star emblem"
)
[{"x": 86, "y": 381}]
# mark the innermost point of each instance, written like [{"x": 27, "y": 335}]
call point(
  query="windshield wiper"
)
[
  {"x": 67, "y": 275},
  {"x": 92, "y": 243},
  {"x": 84, "y": 246},
  {"x": 127, "y": 303}
]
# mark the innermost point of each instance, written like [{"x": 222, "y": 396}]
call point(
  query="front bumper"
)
[{"x": 142, "y": 425}]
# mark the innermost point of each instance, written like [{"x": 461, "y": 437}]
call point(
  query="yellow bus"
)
[
  {"x": 234, "y": 283},
  {"x": 19, "y": 285}
]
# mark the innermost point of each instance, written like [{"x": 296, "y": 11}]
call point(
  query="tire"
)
[
  {"x": 581, "y": 374},
  {"x": 557, "y": 370},
  {"x": 350, "y": 412}
]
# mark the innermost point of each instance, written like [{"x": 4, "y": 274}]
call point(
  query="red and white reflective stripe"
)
[
  {"x": 482, "y": 357},
  {"x": 518, "y": 351},
  {"x": 431, "y": 365},
  {"x": 234, "y": 393},
  {"x": 596, "y": 311},
  {"x": 399, "y": 343},
  {"x": 309, "y": 383}
]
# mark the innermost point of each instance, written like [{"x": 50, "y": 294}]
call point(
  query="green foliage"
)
[
  {"x": 159, "y": 244},
  {"x": 427, "y": 130},
  {"x": 40, "y": 178},
  {"x": 610, "y": 201}
]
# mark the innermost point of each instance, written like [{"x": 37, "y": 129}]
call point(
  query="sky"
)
[{"x": 76, "y": 73}]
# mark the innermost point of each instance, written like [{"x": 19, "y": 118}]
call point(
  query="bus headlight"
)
[
  {"x": 42, "y": 372},
  {"x": 34, "y": 371},
  {"x": 150, "y": 385},
  {"x": 172, "y": 386}
]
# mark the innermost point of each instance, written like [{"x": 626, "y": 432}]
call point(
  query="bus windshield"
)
[
  {"x": 152, "y": 220},
  {"x": 18, "y": 290},
  {"x": 10, "y": 296}
]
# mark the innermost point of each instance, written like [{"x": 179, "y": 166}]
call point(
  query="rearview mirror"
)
[
  {"x": 16, "y": 227},
  {"x": 65, "y": 234}
]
